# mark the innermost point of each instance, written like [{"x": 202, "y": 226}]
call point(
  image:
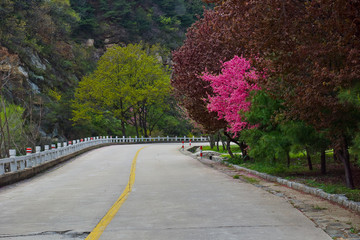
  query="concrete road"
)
[{"x": 174, "y": 198}]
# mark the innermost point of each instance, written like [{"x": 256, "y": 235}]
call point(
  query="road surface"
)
[{"x": 174, "y": 197}]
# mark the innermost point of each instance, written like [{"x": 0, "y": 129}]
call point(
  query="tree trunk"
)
[
  {"x": 228, "y": 142},
  {"x": 212, "y": 141},
  {"x": 224, "y": 146},
  {"x": 123, "y": 129},
  {"x": 288, "y": 159},
  {"x": 145, "y": 123},
  {"x": 343, "y": 155},
  {"x": 243, "y": 147},
  {"x": 141, "y": 123},
  {"x": 309, "y": 160},
  {"x": 7, "y": 129},
  {"x": 323, "y": 162},
  {"x": 136, "y": 125},
  {"x": 336, "y": 159},
  {"x": 3, "y": 149},
  {"x": 217, "y": 141}
]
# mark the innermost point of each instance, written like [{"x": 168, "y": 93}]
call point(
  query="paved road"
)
[{"x": 174, "y": 198}]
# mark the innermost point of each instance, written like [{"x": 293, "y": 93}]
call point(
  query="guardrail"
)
[{"x": 18, "y": 163}]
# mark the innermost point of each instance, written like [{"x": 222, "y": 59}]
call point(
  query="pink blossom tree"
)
[{"x": 231, "y": 92}]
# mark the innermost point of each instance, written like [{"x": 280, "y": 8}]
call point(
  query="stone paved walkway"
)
[{"x": 336, "y": 221}]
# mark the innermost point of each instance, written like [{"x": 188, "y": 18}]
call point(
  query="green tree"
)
[
  {"x": 267, "y": 141},
  {"x": 127, "y": 84}
]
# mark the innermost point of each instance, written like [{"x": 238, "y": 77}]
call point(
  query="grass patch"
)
[
  {"x": 319, "y": 208},
  {"x": 274, "y": 169},
  {"x": 236, "y": 176},
  {"x": 354, "y": 230},
  {"x": 236, "y": 160},
  {"x": 193, "y": 149},
  {"x": 298, "y": 171},
  {"x": 351, "y": 194},
  {"x": 251, "y": 180},
  {"x": 301, "y": 174},
  {"x": 234, "y": 149}
]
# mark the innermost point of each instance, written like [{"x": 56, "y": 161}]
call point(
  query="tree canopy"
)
[
  {"x": 310, "y": 51},
  {"x": 128, "y": 83},
  {"x": 232, "y": 89}
]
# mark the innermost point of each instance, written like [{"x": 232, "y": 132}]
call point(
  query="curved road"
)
[{"x": 174, "y": 197}]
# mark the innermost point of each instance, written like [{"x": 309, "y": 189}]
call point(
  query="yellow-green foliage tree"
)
[{"x": 127, "y": 85}]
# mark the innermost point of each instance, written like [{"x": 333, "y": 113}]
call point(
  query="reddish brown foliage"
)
[
  {"x": 313, "y": 47},
  {"x": 189, "y": 62}
]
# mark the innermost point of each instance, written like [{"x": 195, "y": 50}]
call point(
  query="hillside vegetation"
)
[{"x": 48, "y": 46}]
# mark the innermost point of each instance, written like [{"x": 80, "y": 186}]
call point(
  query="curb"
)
[{"x": 335, "y": 198}]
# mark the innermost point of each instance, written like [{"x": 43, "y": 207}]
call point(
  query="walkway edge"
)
[{"x": 335, "y": 198}]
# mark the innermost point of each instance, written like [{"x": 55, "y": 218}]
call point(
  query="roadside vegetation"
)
[
  {"x": 48, "y": 47},
  {"x": 298, "y": 171},
  {"x": 281, "y": 81}
]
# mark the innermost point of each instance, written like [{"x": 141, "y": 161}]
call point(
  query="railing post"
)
[
  {"x": 28, "y": 150},
  {"x": 46, "y": 153},
  {"x": 2, "y": 169},
  {"x": 37, "y": 159},
  {"x": 28, "y": 162},
  {"x": 13, "y": 165},
  {"x": 12, "y": 152},
  {"x": 54, "y": 153},
  {"x": 60, "y": 151},
  {"x": 37, "y": 149}
]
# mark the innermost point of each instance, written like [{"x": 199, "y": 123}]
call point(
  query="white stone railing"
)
[{"x": 17, "y": 163}]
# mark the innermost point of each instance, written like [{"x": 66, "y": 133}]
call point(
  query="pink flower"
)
[{"x": 231, "y": 91}]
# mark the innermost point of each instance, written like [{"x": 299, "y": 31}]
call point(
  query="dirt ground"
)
[{"x": 338, "y": 222}]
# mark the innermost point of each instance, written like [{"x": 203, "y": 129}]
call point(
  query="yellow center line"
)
[{"x": 104, "y": 222}]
